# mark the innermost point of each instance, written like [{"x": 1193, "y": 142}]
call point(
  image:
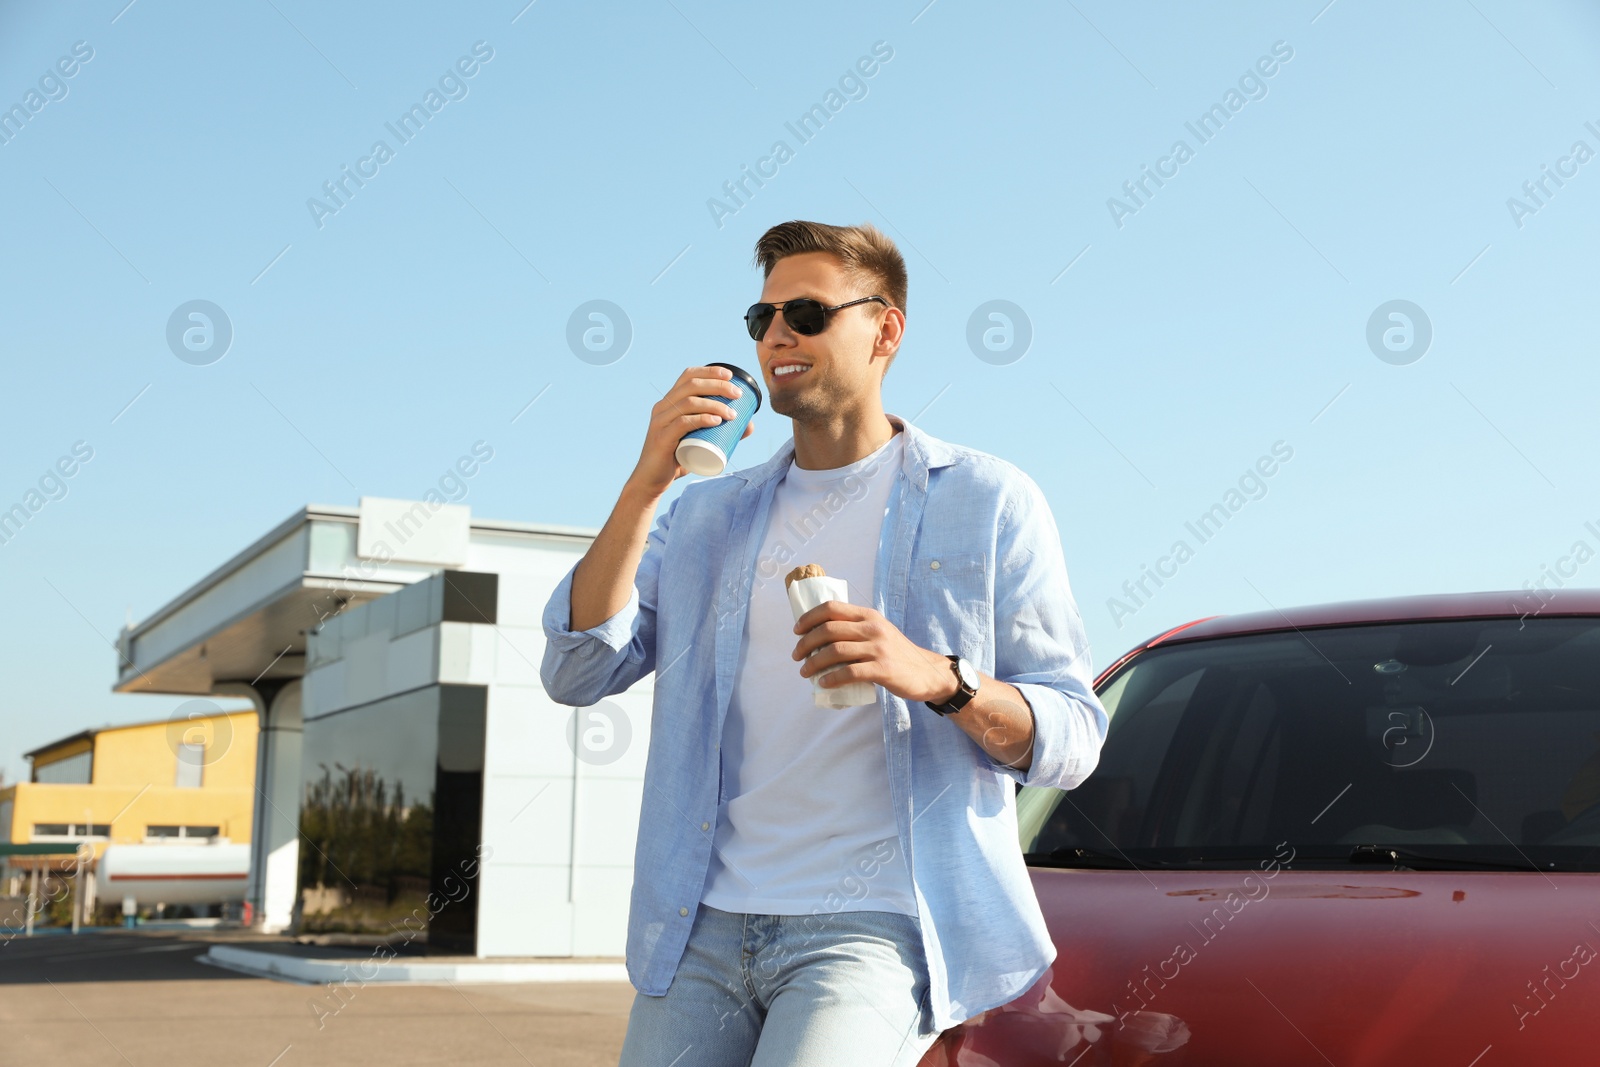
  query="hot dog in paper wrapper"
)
[{"x": 808, "y": 587}]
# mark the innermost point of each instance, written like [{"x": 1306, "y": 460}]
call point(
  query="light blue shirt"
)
[{"x": 969, "y": 562}]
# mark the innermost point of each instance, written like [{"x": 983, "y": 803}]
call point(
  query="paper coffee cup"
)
[{"x": 706, "y": 451}]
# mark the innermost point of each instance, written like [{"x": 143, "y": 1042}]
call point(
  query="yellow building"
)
[{"x": 151, "y": 782}]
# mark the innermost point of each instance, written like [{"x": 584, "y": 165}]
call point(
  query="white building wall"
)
[{"x": 560, "y": 829}]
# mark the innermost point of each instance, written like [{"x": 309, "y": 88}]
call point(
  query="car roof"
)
[{"x": 1513, "y": 603}]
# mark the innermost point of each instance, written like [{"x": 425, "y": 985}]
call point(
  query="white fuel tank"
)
[{"x": 174, "y": 874}]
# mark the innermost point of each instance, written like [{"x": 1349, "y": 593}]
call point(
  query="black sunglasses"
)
[{"x": 803, "y": 315}]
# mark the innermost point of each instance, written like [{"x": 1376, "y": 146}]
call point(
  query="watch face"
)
[{"x": 969, "y": 674}]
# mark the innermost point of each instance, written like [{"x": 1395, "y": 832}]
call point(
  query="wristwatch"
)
[{"x": 967, "y": 679}]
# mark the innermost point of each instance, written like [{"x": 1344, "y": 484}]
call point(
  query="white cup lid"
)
[{"x": 701, "y": 457}]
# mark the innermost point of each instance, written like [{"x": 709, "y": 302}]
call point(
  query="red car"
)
[{"x": 1355, "y": 834}]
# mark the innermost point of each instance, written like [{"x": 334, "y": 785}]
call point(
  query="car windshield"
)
[{"x": 1432, "y": 745}]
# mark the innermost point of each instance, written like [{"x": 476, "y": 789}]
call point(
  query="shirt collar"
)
[{"x": 923, "y": 452}]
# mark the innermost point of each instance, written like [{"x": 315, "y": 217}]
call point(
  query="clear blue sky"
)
[{"x": 1228, "y": 312}]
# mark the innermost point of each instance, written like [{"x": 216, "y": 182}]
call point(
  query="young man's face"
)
[{"x": 845, "y": 362}]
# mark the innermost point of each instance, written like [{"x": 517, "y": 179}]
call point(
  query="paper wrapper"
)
[{"x": 805, "y": 594}]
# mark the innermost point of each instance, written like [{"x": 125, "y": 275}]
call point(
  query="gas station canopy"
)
[
  {"x": 255, "y": 609},
  {"x": 247, "y": 620}
]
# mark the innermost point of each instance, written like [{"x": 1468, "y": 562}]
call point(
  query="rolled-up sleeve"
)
[
  {"x": 1041, "y": 646},
  {"x": 581, "y": 667}
]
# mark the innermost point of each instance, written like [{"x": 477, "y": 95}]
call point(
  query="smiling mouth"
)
[{"x": 789, "y": 370}]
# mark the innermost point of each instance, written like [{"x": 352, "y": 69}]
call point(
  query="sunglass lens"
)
[
  {"x": 757, "y": 319},
  {"x": 804, "y": 316}
]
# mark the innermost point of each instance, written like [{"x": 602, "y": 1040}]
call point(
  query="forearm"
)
[
  {"x": 603, "y": 580},
  {"x": 998, "y": 718},
  {"x": 856, "y": 643}
]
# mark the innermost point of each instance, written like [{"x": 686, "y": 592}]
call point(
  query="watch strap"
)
[{"x": 963, "y": 693}]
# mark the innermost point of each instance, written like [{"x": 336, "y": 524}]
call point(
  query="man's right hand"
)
[{"x": 687, "y": 406}]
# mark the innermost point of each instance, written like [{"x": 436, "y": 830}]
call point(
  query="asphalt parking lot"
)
[{"x": 135, "y": 997}]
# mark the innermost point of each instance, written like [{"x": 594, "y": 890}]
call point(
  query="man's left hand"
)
[{"x": 871, "y": 649}]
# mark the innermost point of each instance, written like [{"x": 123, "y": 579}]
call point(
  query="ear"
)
[{"x": 891, "y": 330}]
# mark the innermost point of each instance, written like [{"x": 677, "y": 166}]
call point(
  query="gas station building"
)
[{"x": 407, "y": 751}]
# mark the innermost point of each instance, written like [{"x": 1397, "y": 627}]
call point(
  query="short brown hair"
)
[{"x": 867, "y": 254}]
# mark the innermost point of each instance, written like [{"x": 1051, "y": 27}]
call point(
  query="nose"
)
[{"x": 778, "y": 334}]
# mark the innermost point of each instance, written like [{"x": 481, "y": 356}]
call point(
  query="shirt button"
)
[
  {"x": 934, "y": 565},
  {"x": 683, "y": 911},
  {"x": 705, "y": 826}
]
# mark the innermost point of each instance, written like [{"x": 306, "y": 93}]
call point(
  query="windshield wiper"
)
[
  {"x": 1407, "y": 857},
  {"x": 1357, "y": 855},
  {"x": 1087, "y": 857}
]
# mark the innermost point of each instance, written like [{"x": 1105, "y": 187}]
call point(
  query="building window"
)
[
  {"x": 74, "y": 770},
  {"x": 69, "y": 831},
  {"x": 190, "y": 759},
  {"x": 180, "y": 833}
]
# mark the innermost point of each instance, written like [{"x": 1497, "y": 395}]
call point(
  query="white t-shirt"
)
[{"x": 806, "y": 824}]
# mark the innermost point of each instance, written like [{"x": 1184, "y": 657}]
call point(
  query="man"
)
[{"x": 817, "y": 885}]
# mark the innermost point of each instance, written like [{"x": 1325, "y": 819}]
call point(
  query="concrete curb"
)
[{"x": 314, "y": 971}]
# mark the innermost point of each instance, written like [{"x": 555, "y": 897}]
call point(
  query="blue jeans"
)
[{"x": 848, "y": 987}]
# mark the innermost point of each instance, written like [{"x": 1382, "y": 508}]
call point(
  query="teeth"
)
[{"x": 792, "y": 368}]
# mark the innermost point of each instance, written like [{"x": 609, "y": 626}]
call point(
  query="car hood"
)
[{"x": 1346, "y": 967}]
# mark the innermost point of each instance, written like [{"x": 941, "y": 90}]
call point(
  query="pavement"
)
[
  {"x": 316, "y": 964},
  {"x": 141, "y": 997}
]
